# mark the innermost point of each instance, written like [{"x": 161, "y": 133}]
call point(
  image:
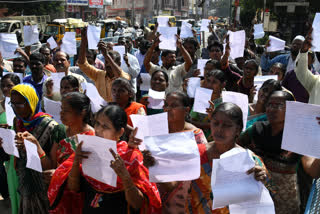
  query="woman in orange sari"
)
[{"x": 133, "y": 194}]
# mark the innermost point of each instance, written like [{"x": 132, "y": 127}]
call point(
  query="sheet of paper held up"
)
[
  {"x": 258, "y": 82},
  {"x": 258, "y": 31},
  {"x": 121, "y": 50},
  {"x": 229, "y": 181},
  {"x": 240, "y": 100},
  {"x": 8, "y": 45},
  {"x": 177, "y": 157},
  {"x": 33, "y": 159},
  {"x": 8, "y": 144},
  {"x": 316, "y": 33},
  {"x": 204, "y": 25},
  {"x": 237, "y": 42},
  {"x": 156, "y": 99},
  {"x": 276, "y": 44},
  {"x": 146, "y": 78},
  {"x": 97, "y": 165},
  {"x": 163, "y": 21},
  {"x": 200, "y": 65},
  {"x": 31, "y": 34},
  {"x": 69, "y": 44},
  {"x": 186, "y": 30},
  {"x": 168, "y": 38},
  {"x": 9, "y": 112},
  {"x": 52, "y": 43},
  {"x": 56, "y": 78},
  {"x": 193, "y": 84},
  {"x": 201, "y": 100},
  {"x": 97, "y": 102},
  {"x": 152, "y": 125},
  {"x": 93, "y": 34},
  {"x": 301, "y": 132},
  {"x": 53, "y": 108}
]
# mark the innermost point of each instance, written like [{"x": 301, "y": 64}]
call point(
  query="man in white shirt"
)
[{"x": 175, "y": 73}]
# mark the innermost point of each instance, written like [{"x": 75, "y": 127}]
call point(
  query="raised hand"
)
[
  {"x": 210, "y": 109},
  {"x": 118, "y": 166},
  {"x": 307, "y": 44},
  {"x": 260, "y": 173},
  {"x": 81, "y": 154},
  {"x": 133, "y": 141}
]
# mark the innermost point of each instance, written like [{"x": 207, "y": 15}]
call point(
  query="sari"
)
[
  {"x": 32, "y": 188},
  {"x": 134, "y": 108},
  {"x": 97, "y": 197},
  {"x": 200, "y": 196}
]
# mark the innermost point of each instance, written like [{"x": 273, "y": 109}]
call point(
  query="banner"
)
[
  {"x": 77, "y": 2},
  {"x": 96, "y": 3}
]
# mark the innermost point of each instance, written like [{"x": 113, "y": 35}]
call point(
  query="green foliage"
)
[{"x": 37, "y": 8}]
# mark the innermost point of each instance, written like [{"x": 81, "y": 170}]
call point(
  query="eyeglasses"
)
[
  {"x": 278, "y": 106},
  {"x": 17, "y": 105}
]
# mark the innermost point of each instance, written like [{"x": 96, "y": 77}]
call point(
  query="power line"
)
[{"x": 30, "y": 1}]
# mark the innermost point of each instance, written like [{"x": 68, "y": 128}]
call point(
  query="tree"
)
[{"x": 35, "y": 8}]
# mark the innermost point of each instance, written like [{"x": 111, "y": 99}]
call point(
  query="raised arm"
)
[
  {"x": 147, "y": 59},
  {"x": 186, "y": 56}
]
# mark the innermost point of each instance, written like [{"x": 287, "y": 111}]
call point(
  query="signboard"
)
[
  {"x": 77, "y": 2},
  {"x": 96, "y": 3}
]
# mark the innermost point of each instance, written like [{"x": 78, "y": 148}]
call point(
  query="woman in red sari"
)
[{"x": 133, "y": 194}]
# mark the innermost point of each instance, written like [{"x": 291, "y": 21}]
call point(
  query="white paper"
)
[
  {"x": 155, "y": 103},
  {"x": 52, "y": 43},
  {"x": 10, "y": 115},
  {"x": 240, "y": 100},
  {"x": 163, "y": 21},
  {"x": 186, "y": 30},
  {"x": 152, "y": 125},
  {"x": 301, "y": 132},
  {"x": 33, "y": 159},
  {"x": 160, "y": 95},
  {"x": 93, "y": 34},
  {"x": 276, "y": 44},
  {"x": 69, "y": 43},
  {"x": 237, "y": 42},
  {"x": 20, "y": 75},
  {"x": 204, "y": 25},
  {"x": 8, "y": 45},
  {"x": 168, "y": 38},
  {"x": 201, "y": 100},
  {"x": 8, "y": 144},
  {"x": 258, "y": 82},
  {"x": 97, "y": 102},
  {"x": 31, "y": 34},
  {"x": 177, "y": 157},
  {"x": 316, "y": 33},
  {"x": 53, "y": 108},
  {"x": 146, "y": 79},
  {"x": 121, "y": 50},
  {"x": 56, "y": 78},
  {"x": 193, "y": 84},
  {"x": 258, "y": 31},
  {"x": 97, "y": 165},
  {"x": 229, "y": 181},
  {"x": 201, "y": 64}
]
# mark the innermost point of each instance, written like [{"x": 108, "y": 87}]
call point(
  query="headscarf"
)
[{"x": 30, "y": 94}]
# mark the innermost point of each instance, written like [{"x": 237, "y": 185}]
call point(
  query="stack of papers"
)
[
  {"x": 31, "y": 34},
  {"x": 177, "y": 157},
  {"x": 276, "y": 44},
  {"x": 93, "y": 34},
  {"x": 168, "y": 38},
  {"x": 97, "y": 165},
  {"x": 301, "y": 132},
  {"x": 69, "y": 43}
]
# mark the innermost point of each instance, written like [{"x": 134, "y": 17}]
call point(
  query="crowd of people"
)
[{"x": 63, "y": 187}]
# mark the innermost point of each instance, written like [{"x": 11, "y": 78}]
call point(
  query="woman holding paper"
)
[
  {"x": 265, "y": 138},
  {"x": 159, "y": 82},
  {"x": 32, "y": 188},
  {"x": 133, "y": 193},
  {"x": 226, "y": 124}
]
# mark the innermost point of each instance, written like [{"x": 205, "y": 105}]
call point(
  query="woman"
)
[
  {"x": 226, "y": 125},
  {"x": 9, "y": 179},
  {"x": 69, "y": 84},
  {"x": 134, "y": 193},
  {"x": 216, "y": 81},
  {"x": 264, "y": 138},
  {"x": 257, "y": 110},
  {"x": 159, "y": 82},
  {"x": 32, "y": 188},
  {"x": 278, "y": 69},
  {"x": 246, "y": 83},
  {"x": 123, "y": 95}
]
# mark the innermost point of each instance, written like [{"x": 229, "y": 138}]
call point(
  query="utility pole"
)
[{"x": 132, "y": 13}]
